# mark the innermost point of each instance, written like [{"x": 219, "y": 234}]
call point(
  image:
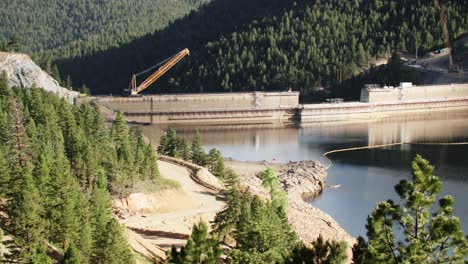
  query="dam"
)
[
  {"x": 282, "y": 107},
  {"x": 215, "y": 108}
]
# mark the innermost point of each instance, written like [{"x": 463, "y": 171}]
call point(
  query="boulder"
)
[{"x": 23, "y": 72}]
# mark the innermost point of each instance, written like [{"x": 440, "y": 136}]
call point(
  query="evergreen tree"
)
[
  {"x": 55, "y": 74},
  {"x": 151, "y": 164},
  {"x": 429, "y": 236},
  {"x": 215, "y": 163},
  {"x": 5, "y": 90},
  {"x": 41, "y": 257},
  {"x": 68, "y": 83},
  {"x": 198, "y": 155},
  {"x": 184, "y": 149},
  {"x": 360, "y": 251},
  {"x": 27, "y": 225},
  {"x": 262, "y": 235},
  {"x": 120, "y": 137},
  {"x": 113, "y": 247},
  {"x": 320, "y": 251},
  {"x": 173, "y": 145},
  {"x": 271, "y": 181},
  {"x": 72, "y": 255},
  {"x": 172, "y": 148},
  {"x": 55, "y": 163},
  {"x": 328, "y": 252},
  {"x": 13, "y": 45},
  {"x": 200, "y": 248},
  {"x": 63, "y": 208},
  {"x": 84, "y": 89},
  {"x": 4, "y": 175}
]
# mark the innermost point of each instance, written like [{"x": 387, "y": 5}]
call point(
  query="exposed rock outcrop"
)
[
  {"x": 298, "y": 179},
  {"x": 307, "y": 178},
  {"x": 23, "y": 72},
  {"x": 303, "y": 177}
]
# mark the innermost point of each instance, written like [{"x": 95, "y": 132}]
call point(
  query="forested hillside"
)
[
  {"x": 58, "y": 165},
  {"x": 247, "y": 44},
  {"x": 87, "y": 25},
  {"x": 314, "y": 45},
  {"x": 271, "y": 45}
]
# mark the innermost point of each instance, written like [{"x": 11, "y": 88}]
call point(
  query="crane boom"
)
[{"x": 166, "y": 65}]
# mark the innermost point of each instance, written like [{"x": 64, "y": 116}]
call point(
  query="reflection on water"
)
[{"x": 366, "y": 176}]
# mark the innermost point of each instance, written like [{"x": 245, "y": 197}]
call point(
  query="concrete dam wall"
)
[
  {"x": 281, "y": 107},
  {"x": 197, "y": 102},
  {"x": 231, "y": 108},
  {"x": 414, "y": 93}
]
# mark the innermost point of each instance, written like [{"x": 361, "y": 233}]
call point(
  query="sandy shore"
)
[{"x": 156, "y": 221}]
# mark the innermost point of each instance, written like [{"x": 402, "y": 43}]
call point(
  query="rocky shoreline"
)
[{"x": 299, "y": 180}]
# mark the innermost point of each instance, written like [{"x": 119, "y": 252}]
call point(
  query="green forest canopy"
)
[
  {"x": 88, "y": 25},
  {"x": 250, "y": 45},
  {"x": 59, "y": 165}
]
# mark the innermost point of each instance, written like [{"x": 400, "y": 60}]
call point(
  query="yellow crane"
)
[{"x": 162, "y": 68}]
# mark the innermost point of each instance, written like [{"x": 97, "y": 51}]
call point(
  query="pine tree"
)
[
  {"x": 55, "y": 74},
  {"x": 41, "y": 257},
  {"x": 321, "y": 251},
  {"x": 172, "y": 148},
  {"x": 113, "y": 247},
  {"x": 271, "y": 181},
  {"x": 4, "y": 175},
  {"x": 197, "y": 153},
  {"x": 151, "y": 162},
  {"x": 84, "y": 242},
  {"x": 430, "y": 236},
  {"x": 5, "y": 90},
  {"x": 120, "y": 137},
  {"x": 25, "y": 213},
  {"x": 262, "y": 235},
  {"x": 63, "y": 209},
  {"x": 124, "y": 171},
  {"x": 68, "y": 83},
  {"x": 184, "y": 149},
  {"x": 84, "y": 89},
  {"x": 72, "y": 255},
  {"x": 226, "y": 220},
  {"x": 215, "y": 163},
  {"x": 360, "y": 251},
  {"x": 200, "y": 248}
]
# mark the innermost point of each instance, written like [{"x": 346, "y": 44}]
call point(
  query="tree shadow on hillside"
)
[{"x": 110, "y": 71}]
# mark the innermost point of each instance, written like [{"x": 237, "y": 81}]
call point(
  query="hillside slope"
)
[
  {"x": 86, "y": 24},
  {"x": 271, "y": 45}
]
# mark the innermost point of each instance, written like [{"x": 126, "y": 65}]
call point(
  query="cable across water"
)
[{"x": 387, "y": 145}]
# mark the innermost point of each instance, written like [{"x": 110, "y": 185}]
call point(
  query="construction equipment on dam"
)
[{"x": 162, "y": 67}]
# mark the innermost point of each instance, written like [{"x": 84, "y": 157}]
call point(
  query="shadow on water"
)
[{"x": 400, "y": 157}]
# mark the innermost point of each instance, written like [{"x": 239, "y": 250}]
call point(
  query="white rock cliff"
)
[{"x": 23, "y": 72}]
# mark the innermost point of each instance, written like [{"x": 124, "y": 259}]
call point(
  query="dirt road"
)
[{"x": 170, "y": 222}]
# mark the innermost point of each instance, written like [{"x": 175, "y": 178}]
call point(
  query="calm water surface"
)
[{"x": 365, "y": 176}]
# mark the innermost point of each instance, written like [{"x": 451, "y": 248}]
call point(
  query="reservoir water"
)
[{"x": 365, "y": 177}]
